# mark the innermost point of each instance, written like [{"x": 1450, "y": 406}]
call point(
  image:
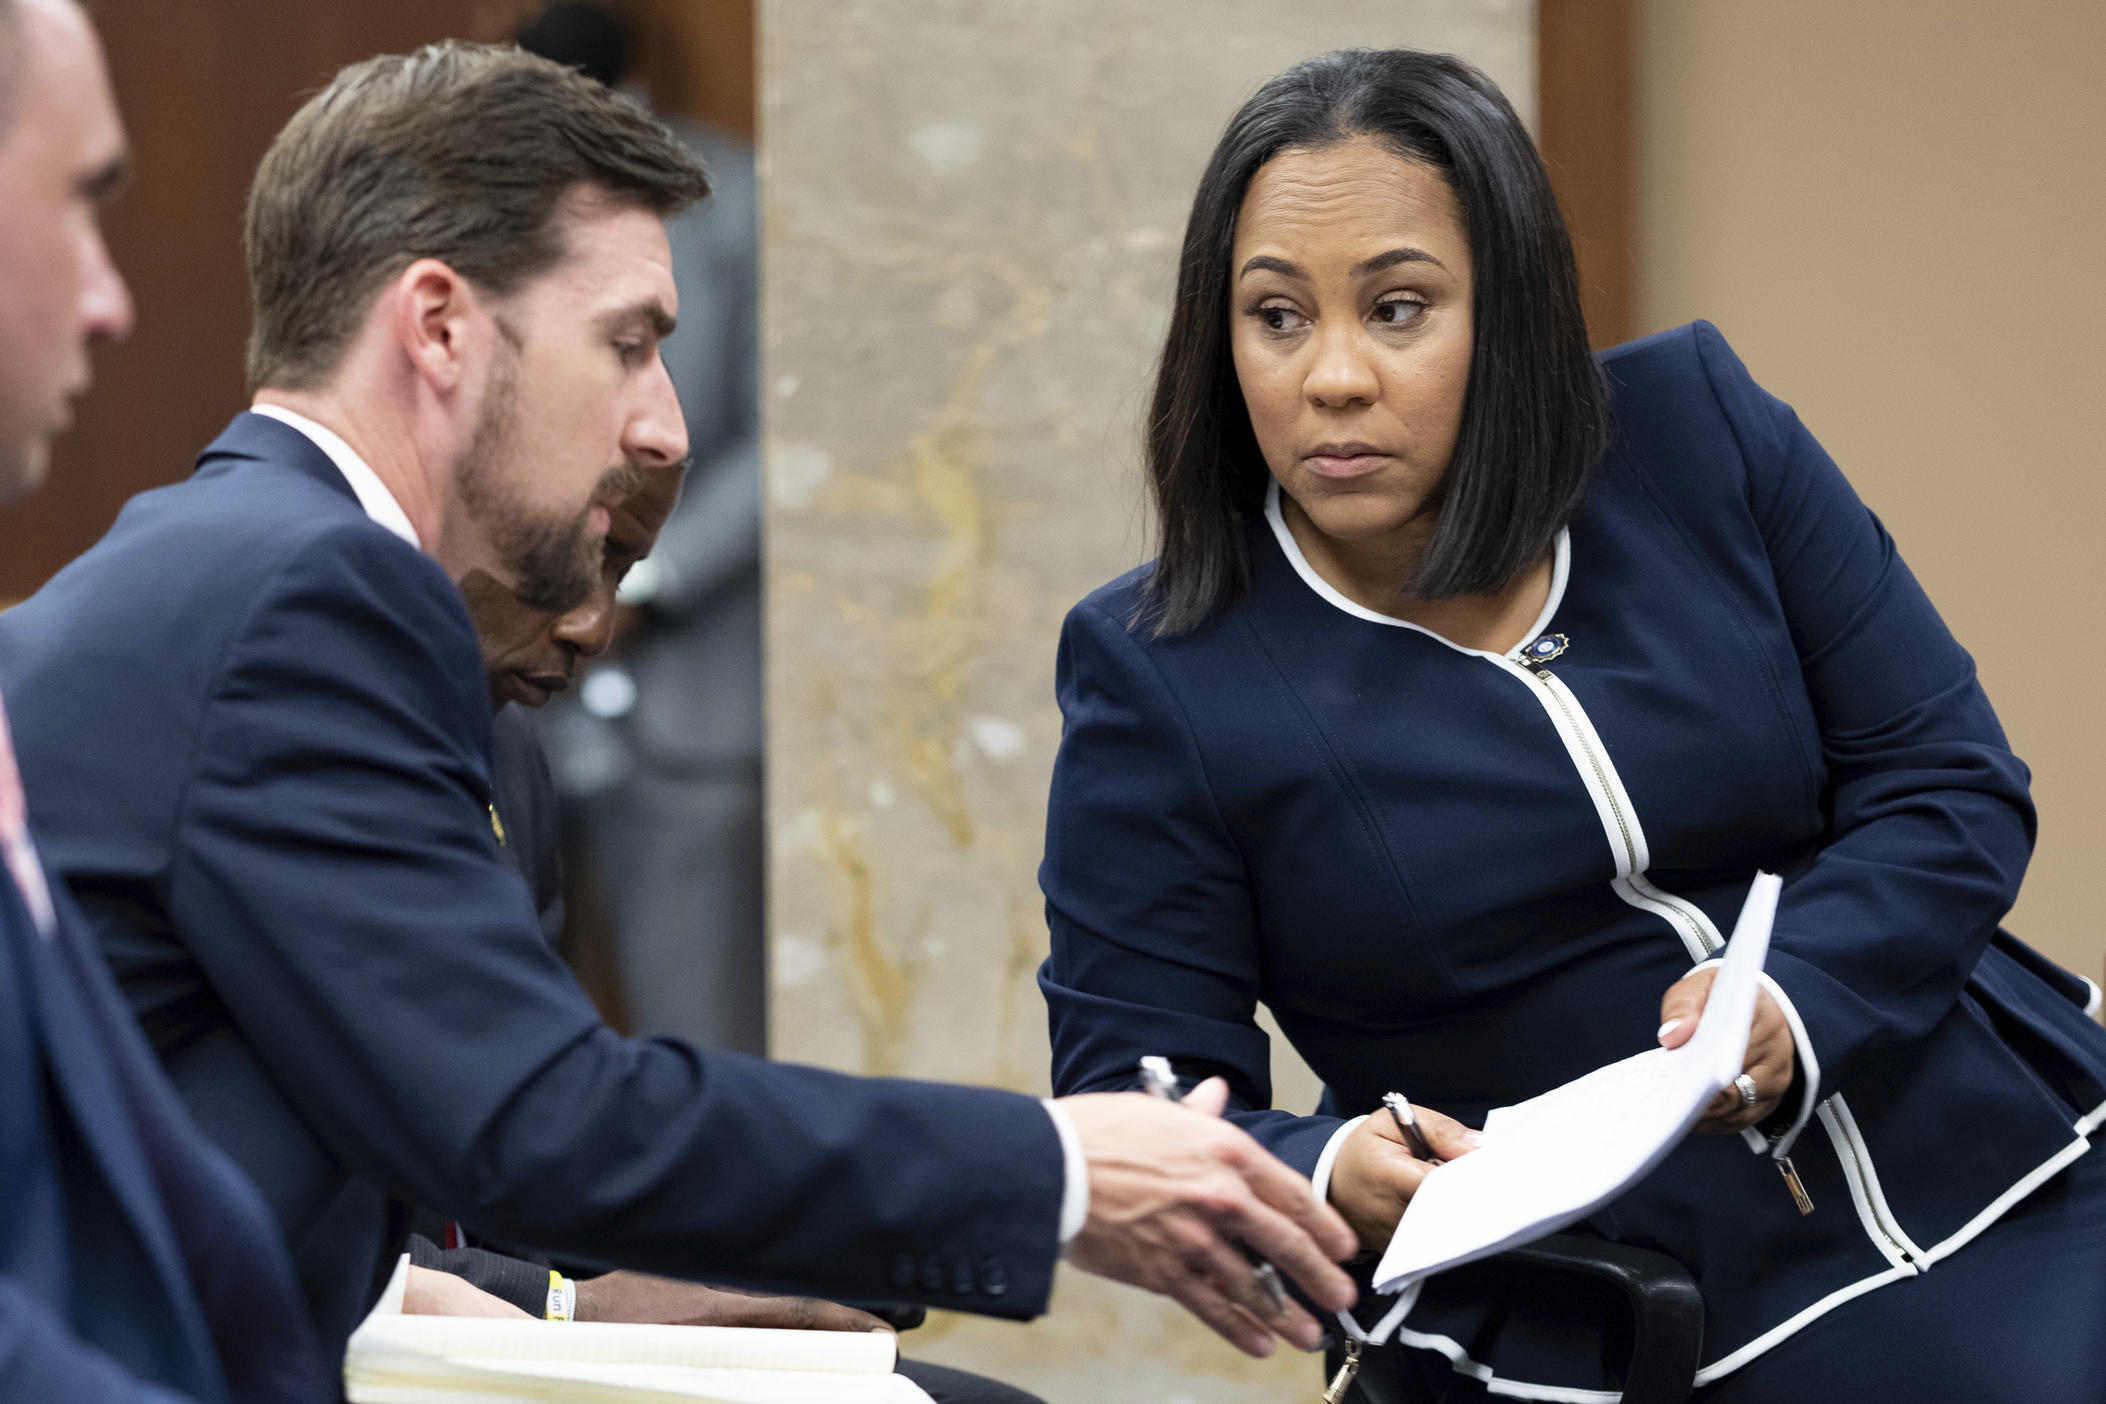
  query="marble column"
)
[{"x": 970, "y": 217}]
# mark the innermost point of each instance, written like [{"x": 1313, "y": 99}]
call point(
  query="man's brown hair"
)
[{"x": 458, "y": 152}]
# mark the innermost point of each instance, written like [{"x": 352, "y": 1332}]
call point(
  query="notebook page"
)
[
  {"x": 736, "y": 1386},
  {"x": 723, "y": 1347},
  {"x": 387, "y": 1377},
  {"x": 397, "y": 1359},
  {"x": 1556, "y": 1158}
]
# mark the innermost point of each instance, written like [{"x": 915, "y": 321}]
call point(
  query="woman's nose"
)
[{"x": 1342, "y": 372}]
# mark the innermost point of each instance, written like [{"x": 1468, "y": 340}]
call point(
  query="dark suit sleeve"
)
[
  {"x": 336, "y": 875},
  {"x": 1930, "y": 820},
  {"x": 41, "y": 1359},
  {"x": 1155, "y": 947}
]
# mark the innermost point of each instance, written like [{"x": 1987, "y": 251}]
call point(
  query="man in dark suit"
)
[
  {"x": 135, "y": 1263},
  {"x": 259, "y": 718}
]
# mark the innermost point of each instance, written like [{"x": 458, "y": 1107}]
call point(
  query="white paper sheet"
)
[
  {"x": 397, "y": 1359},
  {"x": 1554, "y": 1159}
]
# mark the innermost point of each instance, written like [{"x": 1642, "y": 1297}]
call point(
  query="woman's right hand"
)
[{"x": 1374, "y": 1176}]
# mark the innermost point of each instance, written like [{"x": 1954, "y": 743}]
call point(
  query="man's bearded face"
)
[{"x": 554, "y": 562}]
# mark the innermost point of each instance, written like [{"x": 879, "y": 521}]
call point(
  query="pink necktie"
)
[{"x": 20, "y": 853}]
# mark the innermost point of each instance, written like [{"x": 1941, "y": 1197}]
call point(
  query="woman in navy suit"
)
[{"x": 1472, "y": 683}]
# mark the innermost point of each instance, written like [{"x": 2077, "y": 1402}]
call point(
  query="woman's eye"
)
[
  {"x": 1398, "y": 311},
  {"x": 1275, "y": 318}
]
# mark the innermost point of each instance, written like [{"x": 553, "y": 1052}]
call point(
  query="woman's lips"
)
[{"x": 1345, "y": 463}]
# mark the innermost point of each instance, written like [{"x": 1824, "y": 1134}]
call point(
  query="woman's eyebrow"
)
[
  {"x": 1376, "y": 264},
  {"x": 1276, "y": 265},
  {"x": 1391, "y": 259}
]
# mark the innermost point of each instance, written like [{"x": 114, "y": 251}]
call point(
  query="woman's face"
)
[{"x": 1350, "y": 326}]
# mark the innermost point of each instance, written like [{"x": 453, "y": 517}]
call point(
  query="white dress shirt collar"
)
[{"x": 372, "y": 494}]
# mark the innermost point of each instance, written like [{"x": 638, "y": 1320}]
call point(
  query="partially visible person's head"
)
[
  {"x": 62, "y": 151},
  {"x": 498, "y": 219},
  {"x": 530, "y": 654},
  {"x": 1469, "y": 370}
]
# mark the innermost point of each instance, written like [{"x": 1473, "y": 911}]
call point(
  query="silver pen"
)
[
  {"x": 1408, "y": 1127},
  {"x": 1160, "y": 1081}
]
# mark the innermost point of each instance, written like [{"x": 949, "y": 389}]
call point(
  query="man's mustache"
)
[{"x": 623, "y": 480}]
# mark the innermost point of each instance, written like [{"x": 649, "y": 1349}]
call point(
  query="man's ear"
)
[{"x": 439, "y": 322}]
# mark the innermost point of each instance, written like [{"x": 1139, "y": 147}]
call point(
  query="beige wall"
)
[
  {"x": 1896, "y": 211},
  {"x": 971, "y": 217}
]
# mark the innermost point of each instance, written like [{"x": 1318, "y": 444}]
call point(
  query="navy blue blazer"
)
[
  {"x": 1470, "y": 879},
  {"x": 258, "y": 727},
  {"x": 135, "y": 1263}
]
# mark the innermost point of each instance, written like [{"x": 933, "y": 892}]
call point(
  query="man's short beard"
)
[{"x": 553, "y": 565}]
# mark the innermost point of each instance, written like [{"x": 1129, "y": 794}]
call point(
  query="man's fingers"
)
[
  {"x": 1290, "y": 1322},
  {"x": 811, "y": 1314},
  {"x": 1448, "y": 1137},
  {"x": 1199, "y": 1294},
  {"x": 1239, "y": 1279},
  {"x": 1286, "y": 1191},
  {"x": 1284, "y": 1243},
  {"x": 1210, "y": 1097}
]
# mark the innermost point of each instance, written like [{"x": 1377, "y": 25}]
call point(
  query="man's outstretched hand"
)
[{"x": 1171, "y": 1185}]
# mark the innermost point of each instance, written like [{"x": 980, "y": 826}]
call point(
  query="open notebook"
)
[
  {"x": 1554, "y": 1159},
  {"x": 397, "y": 1359}
]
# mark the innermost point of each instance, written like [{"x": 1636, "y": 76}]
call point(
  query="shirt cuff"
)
[
  {"x": 1075, "y": 1177},
  {"x": 1320, "y": 1178}
]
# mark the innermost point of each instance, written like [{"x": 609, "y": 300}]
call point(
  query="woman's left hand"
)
[{"x": 1770, "y": 1059}]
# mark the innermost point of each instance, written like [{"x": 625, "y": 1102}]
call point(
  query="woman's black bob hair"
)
[{"x": 1536, "y": 417}]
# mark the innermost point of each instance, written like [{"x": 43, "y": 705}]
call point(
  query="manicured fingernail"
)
[{"x": 1669, "y": 1027}]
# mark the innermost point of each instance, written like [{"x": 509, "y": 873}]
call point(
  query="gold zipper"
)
[
  {"x": 1343, "y": 1380},
  {"x": 1792, "y": 1182}
]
